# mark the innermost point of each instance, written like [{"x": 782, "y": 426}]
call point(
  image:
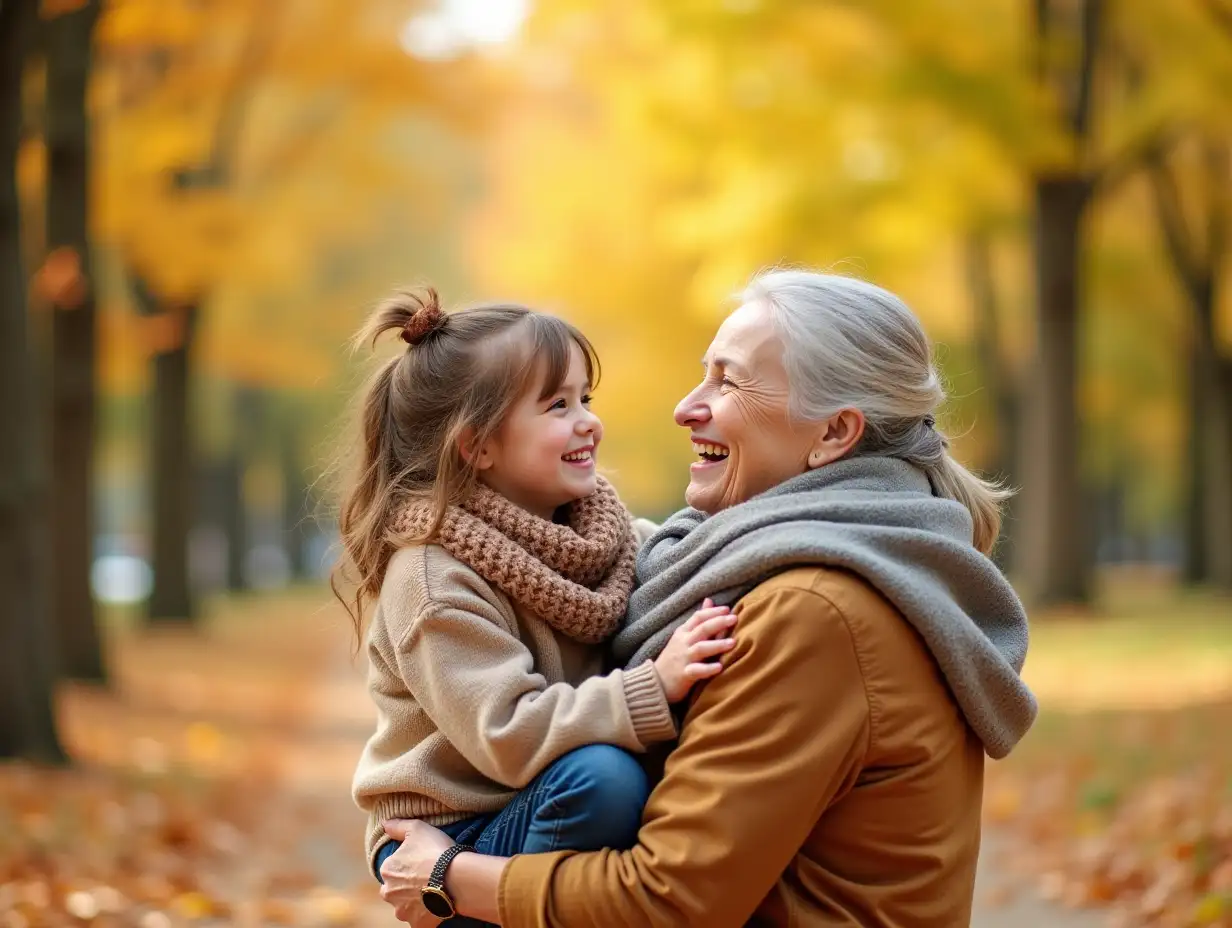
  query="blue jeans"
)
[{"x": 589, "y": 799}]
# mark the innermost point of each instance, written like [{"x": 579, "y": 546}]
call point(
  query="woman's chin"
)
[
  {"x": 701, "y": 497},
  {"x": 583, "y": 486}
]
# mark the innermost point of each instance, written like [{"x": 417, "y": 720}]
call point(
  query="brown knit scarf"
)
[{"x": 576, "y": 577}]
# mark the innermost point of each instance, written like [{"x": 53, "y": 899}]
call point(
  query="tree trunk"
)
[
  {"x": 1209, "y": 502},
  {"x": 1197, "y": 252},
  {"x": 221, "y": 507},
  {"x": 247, "y": 421},
  {"x": 1224, "y": 477},
  {"x": 1196, "y": 567},
  {"x": 172, "y": 482},
  {"x": 296, "y": 505},
  {"x": 1055, "y": 551},
  {"x": 1218, "y": 468},
  {"x": 997, "y": 379},
  {"x": 73, "y": 344},
  {"x": 233, "y": 518},
  {"x": 27, "y": 719}
]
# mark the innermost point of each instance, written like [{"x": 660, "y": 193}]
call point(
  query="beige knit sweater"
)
[{"x": 476, "y": 696}]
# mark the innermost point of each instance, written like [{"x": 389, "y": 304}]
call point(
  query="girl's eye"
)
[
  {"x": 587, "y": 399},
  {"x": 559, "y": 404}
]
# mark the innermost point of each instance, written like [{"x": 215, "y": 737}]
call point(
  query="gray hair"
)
[{"x": 851, "y": 344}]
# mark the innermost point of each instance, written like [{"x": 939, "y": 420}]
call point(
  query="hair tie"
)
[{"x": 425, "y": 320}]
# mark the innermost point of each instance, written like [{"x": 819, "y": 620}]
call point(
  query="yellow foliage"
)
[
  {"x": 50, "y": 9},
  {"x": 657, "y": 155},
  {"x": 122, "y": 355},
  {"x": 31, "y": 167},
  {"x": 241, "y": 145},
  {"x": 150, "y": 24},
  {"x": 644, "y": 160},
  {"x": 193, "y": 906}
]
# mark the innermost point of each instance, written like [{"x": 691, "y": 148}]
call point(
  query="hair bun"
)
[{"x": 428, "y": 317}]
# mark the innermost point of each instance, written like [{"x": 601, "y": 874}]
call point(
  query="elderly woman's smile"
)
[{"x": 743, "y": 432}]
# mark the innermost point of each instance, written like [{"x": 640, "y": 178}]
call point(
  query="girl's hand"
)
[
  {"x": 683, "y": 662},
  {"x": 405, "y": 872}
]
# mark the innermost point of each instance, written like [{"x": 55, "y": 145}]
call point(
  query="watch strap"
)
[{"x": 437, "y": 878}]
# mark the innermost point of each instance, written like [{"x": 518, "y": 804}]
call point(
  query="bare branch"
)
[
  {"x": 1178, "y": 237},
  {"x": 995, "y": 373},
  {"x": 1217, "y": 159},
  {"x": 297, "y": 147},
  {"x": 1221, "y": 14},
  {"x": 1043, "y": 26},
  {"x": 1122, "y": 165},
  {"x": 260, "y": 37},
  {"x": 1092, "y": 23}
]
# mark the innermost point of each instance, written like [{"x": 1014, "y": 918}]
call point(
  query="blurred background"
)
[{"x": 200, "y": 200}]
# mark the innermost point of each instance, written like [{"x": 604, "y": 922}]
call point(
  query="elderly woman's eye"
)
[{"x": 726, "y": 382}]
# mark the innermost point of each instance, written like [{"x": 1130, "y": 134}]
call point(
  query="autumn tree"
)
[
  {"x": 1196, "y": 240},
  {"x": 956, "y": 152},
  {"x": 244, "y": 145},
  {"x": 298, "y": 506},
  {"x": 1190, "y": 179},
  {"x": 27, "y": 724},
  {"x": 720, "y": 131},
  {"x": 1000, "y": 377},
  {"x": 1056, "y": 547},
  {"x": 1061, "y": 116},
  {"x": 70, "y": 291},
  {"x": 158, "y": 55}
]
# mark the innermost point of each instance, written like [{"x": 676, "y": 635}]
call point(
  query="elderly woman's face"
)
[{"x": 742, "y": 432}]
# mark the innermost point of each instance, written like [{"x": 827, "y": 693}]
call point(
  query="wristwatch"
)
[{"x": 435, "y": 899}]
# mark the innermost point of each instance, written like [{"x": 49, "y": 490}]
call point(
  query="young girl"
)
[{"x": 500, "y": 563}]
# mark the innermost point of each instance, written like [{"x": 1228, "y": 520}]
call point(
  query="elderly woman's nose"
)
[{"x": 692, "y": 411}]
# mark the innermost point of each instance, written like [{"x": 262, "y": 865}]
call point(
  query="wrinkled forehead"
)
[{"x": 748, "y": 339}]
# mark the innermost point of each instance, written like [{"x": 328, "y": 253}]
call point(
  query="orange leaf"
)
[
  {"x": 59, "y": 281},
  {"x": 50, "y": 9}
]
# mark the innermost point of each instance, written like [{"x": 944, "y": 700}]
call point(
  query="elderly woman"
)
[{"x": 832, "y": 774}]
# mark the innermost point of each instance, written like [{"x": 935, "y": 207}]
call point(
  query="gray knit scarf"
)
[{"x": 873, "y": 516}]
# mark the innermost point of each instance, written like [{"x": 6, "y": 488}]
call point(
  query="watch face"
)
[{"x": 436, "y": 902}]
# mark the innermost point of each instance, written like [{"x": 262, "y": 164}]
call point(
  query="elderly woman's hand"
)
[{"x": 407, "y": 869}]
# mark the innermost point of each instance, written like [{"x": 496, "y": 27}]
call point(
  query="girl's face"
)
[{"x": 543, "y": 455}]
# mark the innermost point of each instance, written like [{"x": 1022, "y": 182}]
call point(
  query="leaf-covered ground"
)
[
  {"x": 212, "y": 784},
  {"x": 1120, "y": 799}
]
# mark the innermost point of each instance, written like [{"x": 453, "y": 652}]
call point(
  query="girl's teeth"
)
[{"x": 578, "y": 456}]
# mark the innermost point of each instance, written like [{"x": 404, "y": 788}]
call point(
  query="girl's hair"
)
[
  {"x": 457, "y": 379},
  {"x": 848, "y": 343}
]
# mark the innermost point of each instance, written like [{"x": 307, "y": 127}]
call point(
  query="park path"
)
[
  {"x": 1004, "y": 900},
  {"x": 332, "y": 730}
]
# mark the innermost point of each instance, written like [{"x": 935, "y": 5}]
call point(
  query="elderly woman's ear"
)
[{"x": 838, "y": 437}]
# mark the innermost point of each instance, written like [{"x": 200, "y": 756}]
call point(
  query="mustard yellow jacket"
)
[{"x": 825, "y": 778}]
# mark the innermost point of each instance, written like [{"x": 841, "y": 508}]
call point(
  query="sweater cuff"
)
[
  {"x": 525, "y": 889},
  {"x": 652, "y": 716}
]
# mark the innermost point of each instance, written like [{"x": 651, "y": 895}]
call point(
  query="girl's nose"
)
[{"x": 588, "y": 423}]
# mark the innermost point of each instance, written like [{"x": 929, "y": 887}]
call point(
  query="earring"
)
[{"x": 814, "y": 459}]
